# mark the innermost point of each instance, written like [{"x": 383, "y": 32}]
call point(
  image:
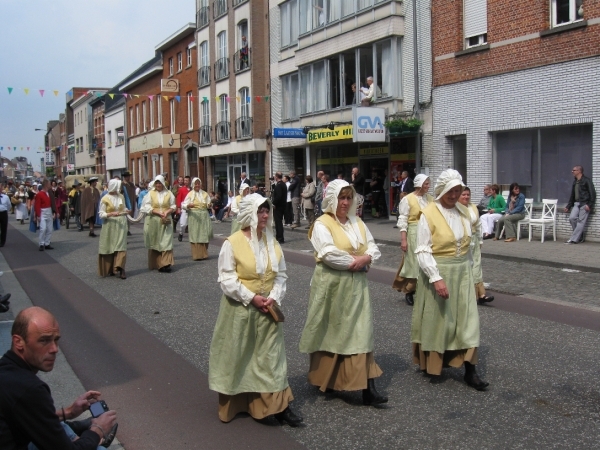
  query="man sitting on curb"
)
[{"x": 27, "y": 412}]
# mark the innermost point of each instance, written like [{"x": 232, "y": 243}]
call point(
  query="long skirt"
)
[
  {"x": 199, "y": 251},
  {"x": 258, "y": 404},
  {"x": 406, "y": 278},
  {"x": 200, "y": 231},
  {"x": 445, "y": 329},
  {"x": 21, "y": 211},
  {"x": 158, "y": 260},
  {"x": 342, "y": 372},
  {"x": 108, "y": 264}
]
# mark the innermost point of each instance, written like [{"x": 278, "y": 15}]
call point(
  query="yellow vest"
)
[
  {"x": 202, "y": 196},
  {"x": 109, "y": 205},
  {"x": 245, "y": 262},
  {"x": 414, "y": 211},
  {"x": 442, "y": 237},
  {"x": 340, "y": 239},
  {"x": 154, "y": 201}
]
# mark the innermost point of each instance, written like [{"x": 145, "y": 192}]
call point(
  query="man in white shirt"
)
[
  {"x": 370, "y": 92},
  {"x": 4, "y": 208}
]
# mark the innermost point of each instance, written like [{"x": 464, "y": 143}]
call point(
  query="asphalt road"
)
[{"x": 144, "y": 342}]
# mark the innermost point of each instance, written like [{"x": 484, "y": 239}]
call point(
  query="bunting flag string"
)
[
  {"x": 127, "y": 96},
  {"x": 20, "y": 147}
]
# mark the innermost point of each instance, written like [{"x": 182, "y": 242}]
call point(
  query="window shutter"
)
[{"x": 475, "y": 19}]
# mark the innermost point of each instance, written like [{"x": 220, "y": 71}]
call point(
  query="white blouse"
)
[
  {"x": 147, "y": 202},
  {"x": 116, "y": 202},
  {"x": 335, "y": 258},
  {"x": 197, "y": 198},
  {"x": 456, "y": 222},
  {"x": 404, "y": 210},
  {"x": 232, "y": 286},
  {"x": 235, "y": 206},
  {"x": 476, "y": 221}
]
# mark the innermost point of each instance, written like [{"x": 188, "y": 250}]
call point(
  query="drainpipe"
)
[{"x": 416, "y": 108}]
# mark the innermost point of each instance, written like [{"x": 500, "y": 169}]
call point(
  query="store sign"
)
[
  {"x": 49, "y": 159},
  {"x": 325, "y": 134},
  {"x": 70, "y": 167},
  {"x": 368, "y": 124},
  {"x": 293, "y": 133},
  {"x": 374, "y": 151},
  {"x": 167, "y": 85}
]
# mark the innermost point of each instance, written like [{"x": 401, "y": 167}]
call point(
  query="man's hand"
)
[
  {"x": 441, "y": 289},
  {"x": 587, "y": 208},
  {"x": 81, "y": 404},
  {"x": 106, "y": 421},
  {"x": 567, "y": 210}
]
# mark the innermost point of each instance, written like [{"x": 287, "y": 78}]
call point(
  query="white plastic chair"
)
[
  {"x": 548, "y": 218},
  {"x": 525, "y": 220},
  {"x": 505, "y": 194}
]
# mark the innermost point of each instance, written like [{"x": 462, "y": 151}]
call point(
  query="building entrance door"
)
[
  {"x": 237, "y": 165},
  {"x": 376, "y": 202}
]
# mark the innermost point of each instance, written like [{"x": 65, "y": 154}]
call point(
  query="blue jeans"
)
[{"x": 69, "y": 433}]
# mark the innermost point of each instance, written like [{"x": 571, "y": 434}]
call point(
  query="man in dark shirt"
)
[
  {"x": 279, "y": 202},
  {"x": 27, "y": 412},
  {"x": 581, "y": 203},
  {"x": 294, "y": 189}
]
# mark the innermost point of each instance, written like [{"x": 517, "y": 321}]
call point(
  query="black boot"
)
[
  {"x": 472, "y": 379},
  {"x": 288, "y": 416},
  {"x": 370, "y": 395},
  {"x": 410, "y": 299}
]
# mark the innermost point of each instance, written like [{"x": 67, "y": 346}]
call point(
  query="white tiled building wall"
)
[{"x": 559, "y": 94}]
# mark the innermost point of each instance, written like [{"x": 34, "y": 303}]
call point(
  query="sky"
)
[{"x": 54, "y": 45}]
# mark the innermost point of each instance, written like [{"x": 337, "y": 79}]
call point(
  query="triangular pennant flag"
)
[
  {"x": 9, "y": 148},
  {"x": 125, "y": 95},
  {"x": 55, "y": 93},
  {"x": 1, "y": 148},
  {"x": 237, "y": 97},
  {"x": 217, "y": 98},
  {"x": 266, "y": 98},
  {"x": 166, "y": 97},
  {"x": 27, "y": 148},
  {"x": 257, "y": 98},
  {"x": 26, "y": 91},
  {"x": 10, "y": 90},
  {"x": 21, "y": 148},
  {"x": 111, "y": 96},
  {"x": 151, "y": 97},
  {"x": 70, "y": 93},
  {"x": 42, "y": 92},
  {"x": 228, "y": 99},
  {"x": 99, "y": 94},
  {"x": 178, "y": 98},
  {"x": 204, "y": 99},
  {"x": 136, "y": 96}
]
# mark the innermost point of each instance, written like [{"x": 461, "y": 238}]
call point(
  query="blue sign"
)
[{"x": 296, "y": 133}]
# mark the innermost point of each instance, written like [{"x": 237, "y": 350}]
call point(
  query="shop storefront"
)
[{"x": 231, "y": 167}]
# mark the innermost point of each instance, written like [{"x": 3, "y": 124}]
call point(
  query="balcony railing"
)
[
  {"x": 205, "y": 135},
  {"x": 243, "y": 128},
  {"x": 223, "y": 132},
  {"x": 238, "y": 2},
  {"x": 222, "y": 68},
  {"x": 242, "y": 60},
  {"x": 202, "y": 17},
  {"x": 203, "y": 76},
  {"x": 219, "y": 8}
]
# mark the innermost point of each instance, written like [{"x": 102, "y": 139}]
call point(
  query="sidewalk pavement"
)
[
  {"x": 584, "y": 257},
  {"x": 63, "y": 382}
]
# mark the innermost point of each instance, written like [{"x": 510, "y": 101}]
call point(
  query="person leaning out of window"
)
[
  {"x": 515, "y": 211},
  {"x": 496, "y": 208}
]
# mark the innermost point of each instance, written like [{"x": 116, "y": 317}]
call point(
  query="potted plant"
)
[{"x": 402, "y": 125}]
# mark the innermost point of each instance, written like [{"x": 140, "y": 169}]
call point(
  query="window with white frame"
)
[
  {"x": 204, "y": 54},
  {"x": 137, "y": 119},
  {"x": 159, "y": 111},
  {"x": 289, "y": 23},
  {"x": 131, "y": 122},
  {"x": 190, "y": 105},
  {"x": 222, "y": 45},
  {"x": 151, "y": 104},
  {"x": 109, "y": 138},
  {"x": 291, "y": 97},
  {"x": 144, "y": 116},
  {"x": 172, "y": 111},
  {"x": 170, "y": 66},
  {"x": 566, "y": 11},
  {"x": 475, "y": 22},
  {"x": 205, "y": 113},
  {"x": 244, "y": 94},
  {"x": 223, "y": 108},
  {"x": 189, "y": 57},
  {"x": 179, "y": 62}
]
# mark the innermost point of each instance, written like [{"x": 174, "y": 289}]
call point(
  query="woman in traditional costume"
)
[
  {"x": 247, "y": 364},
  {"x": 235, "y": 206},
  {"x": 112, "y": 253},
  {"x": 196, "y": 203},
  {"x": 338, "y": 333},
  {"x": 445, "y": 321},
  {"x": 409, "y": 211},
  {"x": 476, "y": 243},
  {"x": 157, "y": 206},
  {"x": 21, "y": 204}
]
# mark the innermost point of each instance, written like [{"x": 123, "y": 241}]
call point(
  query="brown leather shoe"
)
[{"x": 510, "y": 240}]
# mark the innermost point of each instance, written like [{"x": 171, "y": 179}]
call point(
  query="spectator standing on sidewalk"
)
[
  {"x": 295, "y": 192},
  {"x": 358, "y": 181},
  {"x": 279, "y": 204},
  {"x": 308, "y": 200},
  {"x": 4, "y": 208},
  {"x": 289, "y": 212},
  {"x": 319, "y": 193},
  {"x": 45, "y": 211},
  {"x": 581, "y": 203}
]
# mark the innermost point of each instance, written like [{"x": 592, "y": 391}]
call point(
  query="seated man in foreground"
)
[{"x": 27, "y": 412}]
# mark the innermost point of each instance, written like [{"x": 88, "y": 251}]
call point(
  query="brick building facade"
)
[
  {"x": 515, "y": 96},
  {"x": 161, "y": 111}
]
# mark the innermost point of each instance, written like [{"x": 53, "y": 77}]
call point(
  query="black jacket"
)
[
  {"x": 587, "y": 193},
  {"x": 359, "y": 184},
  {"x": 27, "y": 412},
  {"x": 409, "y": 186},
  {"x": 280, "y": 195},
  {"x": 295, "y": 187}
]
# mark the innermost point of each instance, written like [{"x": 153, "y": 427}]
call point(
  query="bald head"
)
[{"x": 26, "y": 317}]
